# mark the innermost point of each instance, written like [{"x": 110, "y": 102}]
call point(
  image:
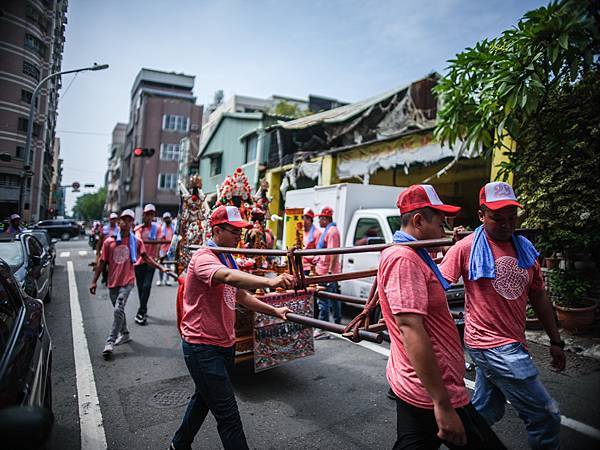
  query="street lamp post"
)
[{"x": 28, "y": 161}]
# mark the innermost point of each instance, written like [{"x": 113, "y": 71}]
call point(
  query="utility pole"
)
[{"x": 27, "y": 172}]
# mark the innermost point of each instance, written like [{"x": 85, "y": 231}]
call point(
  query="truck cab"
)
[{"x": 367, "y": 226}]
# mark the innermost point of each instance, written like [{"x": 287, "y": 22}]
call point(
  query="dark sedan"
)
[
  {"x": 60, "y": 229},
  {"x": 25, "y": 352},
  {"x": 30, "y": 264}
]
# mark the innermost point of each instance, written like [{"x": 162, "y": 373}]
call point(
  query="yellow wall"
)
[{"x": 499, "y": 157}]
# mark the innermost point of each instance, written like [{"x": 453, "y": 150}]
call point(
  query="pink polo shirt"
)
[
  {"x": 143, "y": 233},
  {"x": 306, "y": 261},
  {"x": 494, "y": 309},
  {"x": 164, "y": 248},
  {"x": 407, "y": 285},
  {"x": 120, "y": 267},
  {"x": 332, "y": 240},
  {"x": 208, "y": 315}
]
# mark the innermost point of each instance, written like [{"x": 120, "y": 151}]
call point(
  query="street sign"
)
[{"x": 76, "y": 185}]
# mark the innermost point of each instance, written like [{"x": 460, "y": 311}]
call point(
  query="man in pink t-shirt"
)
[
  {"x": 310, "y": 238},
  {"x": 213, "y": 287},
  {"x": 328, "y": 265},
  {"x": 426, "y": 365},
  {"x": 501, "y": 273},
  {"x": 120, "y": 252},
  {"x": 165, "y": 233},
  {"x": 147, "y": 231}
]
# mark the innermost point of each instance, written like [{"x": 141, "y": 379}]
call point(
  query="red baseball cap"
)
[
  {"x": 308, "y": 212},
  {"x": 327, "y": 211},
  {"x": 420, "y": 196},
  {"x": 229, "y": 215},
  {"x": 498, "y": 195}
]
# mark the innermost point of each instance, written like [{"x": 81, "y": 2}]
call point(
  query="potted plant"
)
[
  {"x": 532, "y": 322},
  {"x": 568, "y": 290}
]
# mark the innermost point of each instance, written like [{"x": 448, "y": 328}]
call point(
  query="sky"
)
[{"x": 345, "y": 49}]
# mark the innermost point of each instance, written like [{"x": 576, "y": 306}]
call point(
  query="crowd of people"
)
[{"x": 426, "y": 367}]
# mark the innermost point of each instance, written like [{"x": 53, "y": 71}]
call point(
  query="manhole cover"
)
[{"x": 169, "y": 398}]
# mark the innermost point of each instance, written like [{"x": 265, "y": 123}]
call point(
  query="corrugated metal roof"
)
[{"x": 343, "y": 113}]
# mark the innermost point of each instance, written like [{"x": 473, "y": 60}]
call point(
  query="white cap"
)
[
  {"x": 113, "y": 215},
  {"x": 149, "y": 207},
  {"x": 14, "y": 216},
  {"x": 128, "y": 212},
  {"x": 166, "y": 214}
]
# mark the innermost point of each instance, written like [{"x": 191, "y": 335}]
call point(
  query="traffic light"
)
[{"x": 140, "y": 152}]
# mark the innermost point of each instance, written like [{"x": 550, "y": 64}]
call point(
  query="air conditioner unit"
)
[{"x": 195, "y": 127}]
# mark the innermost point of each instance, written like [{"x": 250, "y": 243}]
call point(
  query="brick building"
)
[{"x": 163, "y": 111}]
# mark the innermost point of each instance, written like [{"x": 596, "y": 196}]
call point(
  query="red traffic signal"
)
[{"x": 140, "y": 152}]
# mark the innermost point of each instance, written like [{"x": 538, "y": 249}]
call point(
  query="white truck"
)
[{"x": 364, "y": 214}]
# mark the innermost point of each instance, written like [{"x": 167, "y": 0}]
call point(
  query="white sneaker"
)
[
  {"x": 167, "y": 283},
  {"x": 108, "y": 349},
  {"x": 158, "y": 283},
  {"x": 123, "y": 339}
]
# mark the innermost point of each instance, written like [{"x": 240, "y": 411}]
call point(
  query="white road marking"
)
[
  {"x": 82, "y": 252},
  {"x": 90, "y": 416},
  {"x": 565, "y": 421},
  {"x": 65, "y": 254}
]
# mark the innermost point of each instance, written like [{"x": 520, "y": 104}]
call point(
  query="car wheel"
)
[
  {"x": 65, "y": 236},
  {"x": 48, "y": 297}
]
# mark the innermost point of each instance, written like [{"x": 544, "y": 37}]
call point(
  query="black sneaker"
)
[{"x": 140, "y": 319}]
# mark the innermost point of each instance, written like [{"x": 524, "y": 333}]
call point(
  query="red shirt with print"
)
[
  {"x": 208, "y": 315},
  {"x": 494, "y": 309},
  {"x": 120, "y": 267}
]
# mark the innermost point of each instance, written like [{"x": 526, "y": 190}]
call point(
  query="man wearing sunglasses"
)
[{"x": 212, "y": 288}]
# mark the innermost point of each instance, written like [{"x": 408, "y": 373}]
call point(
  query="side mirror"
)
[
  {"x": 25, "y": 427},
  {"x": 36, "y": 260},
  {"x": 375, "y": 240}
]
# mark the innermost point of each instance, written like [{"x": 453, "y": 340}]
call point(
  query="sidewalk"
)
[{"x": 583, "y": 345}]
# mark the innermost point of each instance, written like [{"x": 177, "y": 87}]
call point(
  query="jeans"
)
[
  {"x": 508, "y": 373},
  {"x": 417, "y": 429},
  {"x": 118, "y": 297},
  {"x": 333, "y": 305},
  {"x": 143, "y": 278},
  {"x": 209, "y": 365}
]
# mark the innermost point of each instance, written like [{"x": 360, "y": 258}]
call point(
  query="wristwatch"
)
[{"x": 560, "y": 344}]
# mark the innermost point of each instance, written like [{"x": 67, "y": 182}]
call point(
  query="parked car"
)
[
  {"x": 60, "y": 229},
  {"x": 30, "y": 264},
  {"x": 25, "y": 357},
  {"x": 47, "y": 242}
]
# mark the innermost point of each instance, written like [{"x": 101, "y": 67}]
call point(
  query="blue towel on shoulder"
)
[
  {"x": 223, "y": 257},
  {"x": 132, "y": 244},
  {"x": 481, "y": 259},
  {"x": 321, "y": 243},
  {"x": 401, "y": 236}
]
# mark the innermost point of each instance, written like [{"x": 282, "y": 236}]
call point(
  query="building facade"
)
[
  {"x": 31, "y": 47},
  {"x": 163, "y": 111},
  {"x": 57, "y": 197},
  {"x": 113, "y": 179}
]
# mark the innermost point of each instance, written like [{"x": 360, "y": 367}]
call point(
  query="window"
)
[
  {"x": 394, "y": 222},
  {"x": 23, "y": 123},
  {"x": 10, "y": 180},
  {"x": 34, "y": 246},
  {"x": 175, "y": 123},
  {"x": 215, "y": 165},
  {"x": 9, "y": 310},
  {"x": 26, "y": 96},
  {"x": 20, "y": 152},
  {"x": 170, "y": 152},
  {"x": 167, "y": 181},
  {"x": 34, "y": 44},
  {"x": 250, "y": 150},
  {"x": 31, "y": 71},
  {"x": 367, "y": 228}
]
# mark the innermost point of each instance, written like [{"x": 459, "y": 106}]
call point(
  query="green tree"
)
[
  {"x": 288, "y": 109},
  {"x": 90, "y": 206},
  {"x": 501, "y": 83}
]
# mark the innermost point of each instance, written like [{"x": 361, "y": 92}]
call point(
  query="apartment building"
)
[
  {"x": 113, "y": 174},
  {"x": 31, "y": 47},
  {"x": 163, "y": 111}
]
